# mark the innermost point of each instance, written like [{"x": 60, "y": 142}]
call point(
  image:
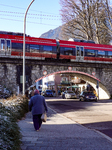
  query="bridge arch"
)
[{"x": 92, "y": 80}]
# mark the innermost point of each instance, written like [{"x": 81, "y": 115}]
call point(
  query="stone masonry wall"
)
[
  {"x": 8, "y": 76},
  {"x": 105, "y": 74}
]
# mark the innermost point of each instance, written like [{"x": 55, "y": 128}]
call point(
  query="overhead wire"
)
[
  {"x": 40, "y": 15},
  {"x": 25, "y": 8},
  {"x": 47, "y": 16},
  {"x": 28, "y": 22},
  {"x": 56, "y": 16}
]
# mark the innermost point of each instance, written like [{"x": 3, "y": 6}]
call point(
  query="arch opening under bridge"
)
[{"x": 100, "y": 89}]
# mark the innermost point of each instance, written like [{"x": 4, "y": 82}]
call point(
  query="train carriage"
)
[
  {"x": 41, "y": 48},
  {"x": 35, "y": 47},
  {"x": 86, "y": 51}
]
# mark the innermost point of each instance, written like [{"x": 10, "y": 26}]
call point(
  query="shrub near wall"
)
[{"x": 11, "y": 110}]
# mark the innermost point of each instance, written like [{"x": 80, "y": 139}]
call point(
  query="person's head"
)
[{"x": 36, "y": 92}]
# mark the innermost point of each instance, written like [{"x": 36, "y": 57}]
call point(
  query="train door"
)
[
  {"x": 79, "y": 53},
  {"x": 5, "y": 47}
]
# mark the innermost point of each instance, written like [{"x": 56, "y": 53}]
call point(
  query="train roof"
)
[
  {"x": 29, "y": 40},
  {"x": 18, "y": 37},
  {"x": 88, "y": 45}
]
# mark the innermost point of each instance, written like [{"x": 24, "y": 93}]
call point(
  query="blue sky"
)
[{"x": 42, "y": 16}]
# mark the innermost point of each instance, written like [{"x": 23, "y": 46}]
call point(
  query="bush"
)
[{"x": 12, "y": 110}]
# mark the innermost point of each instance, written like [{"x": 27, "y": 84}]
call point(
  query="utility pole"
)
[{"x": 24, "y": 79}]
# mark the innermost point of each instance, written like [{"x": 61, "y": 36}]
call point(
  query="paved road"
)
[
  {"x": 61, "y": 133},
  {"x": 93, "y": 115}
]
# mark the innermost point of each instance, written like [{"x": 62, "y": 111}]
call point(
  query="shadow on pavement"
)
[{"x": 104, "y": 127}]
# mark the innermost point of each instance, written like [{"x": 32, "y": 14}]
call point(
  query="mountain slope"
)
[{"x": 53, "y": 34}]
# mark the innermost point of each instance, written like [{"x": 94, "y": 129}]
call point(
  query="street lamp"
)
[{"x": 24, "y": 48}]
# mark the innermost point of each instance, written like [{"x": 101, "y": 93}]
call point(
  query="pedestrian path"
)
[{"x": 60, "y": 133}]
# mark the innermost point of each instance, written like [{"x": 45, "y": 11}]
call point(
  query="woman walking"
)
[{"x": 38, "y": 106}]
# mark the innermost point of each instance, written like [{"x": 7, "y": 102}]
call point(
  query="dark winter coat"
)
[{"x": 37, "y": 104}]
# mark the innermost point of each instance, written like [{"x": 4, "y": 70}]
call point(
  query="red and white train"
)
[{"x": 42, "y": 48}]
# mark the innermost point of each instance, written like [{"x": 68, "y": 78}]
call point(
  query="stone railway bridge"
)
[{"x": 11, "y": 72}]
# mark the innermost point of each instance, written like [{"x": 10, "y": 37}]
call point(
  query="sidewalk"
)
[{"x": 61, "y": 133}]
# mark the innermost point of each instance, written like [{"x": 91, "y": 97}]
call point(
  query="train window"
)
[
  {"x": 8, "y": 45},
  {"x": 106, "y": 53},
  {"x": 68, "y": 51},
  {"x": 27, "y": 47},
  {"x": 109, "y": 54},
  {"x": 47, "y": 48},
  {"x": 54, "y": 50},
  {"x": 41, "y": 47},
  {"x": 89, "y": 52},
  {"x": 82, "y": 51},
  {"x": 78, "y": 51},
  {"x": 101, "y": 53},
  {"x": 2, "y": 44},
  {"x": 62, "y": 50},
  {"x": 74, "y": 51},
  {"x": 34, "y": 48},
  {"x": 17, "y": 46}
]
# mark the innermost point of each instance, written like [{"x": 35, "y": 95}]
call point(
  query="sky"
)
[{"x": 42, "y": 16}]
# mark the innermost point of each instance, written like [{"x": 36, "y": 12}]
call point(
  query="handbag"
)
[{"x": 44, "y": 117}]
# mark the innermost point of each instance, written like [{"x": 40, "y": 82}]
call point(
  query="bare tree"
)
[
  {"x": 108, "y": 15},
  {"x": 86, "y": 19}
]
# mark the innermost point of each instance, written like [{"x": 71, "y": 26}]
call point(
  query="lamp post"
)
[{"x": 24, "y": 79}]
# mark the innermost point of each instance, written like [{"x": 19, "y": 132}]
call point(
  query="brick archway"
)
[
  {"x": 68, "y": 71},
  {"x": 92, "y": 80}
]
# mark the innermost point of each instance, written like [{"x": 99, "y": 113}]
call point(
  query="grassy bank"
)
[{"x": 11, "y": 111}]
